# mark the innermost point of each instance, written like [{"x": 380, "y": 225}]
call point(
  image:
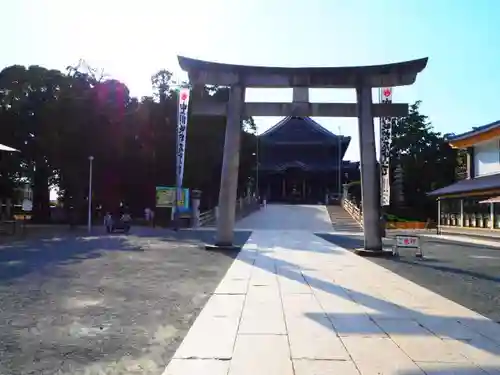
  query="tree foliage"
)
[
  {"x": 58, "y": 119},
  {"x": 461, "y": 168},
  {"x": 428, "y": 162}
]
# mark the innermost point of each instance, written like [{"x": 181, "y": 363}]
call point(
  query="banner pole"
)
[
  {"x": 177, "y": 143},
  {"x": 176, "y": 195}
]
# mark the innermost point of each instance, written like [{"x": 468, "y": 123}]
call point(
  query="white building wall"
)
[{"x": 487, "y": 158}]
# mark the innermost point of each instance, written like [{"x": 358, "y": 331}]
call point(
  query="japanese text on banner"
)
[
  {"x": 182, "y": 133},
  {"x": 407, "y": 241}
]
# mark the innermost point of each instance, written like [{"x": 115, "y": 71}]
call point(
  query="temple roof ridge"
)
[{"x": 313, "y": 124}]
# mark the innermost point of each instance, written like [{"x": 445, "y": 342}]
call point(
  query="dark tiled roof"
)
[
  {"x": 469, "y": 185},
  {"x": 475, "y": 131},
  {"x": 300, "y": 143},
  {"x": 300, "y": 130}
]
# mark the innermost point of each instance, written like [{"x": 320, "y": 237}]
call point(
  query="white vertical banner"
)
[
  {"x": 385, "y": 95},
  {"x": 182, "y": 117}
]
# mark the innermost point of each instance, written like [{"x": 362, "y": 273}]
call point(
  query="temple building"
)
[
  {"x": 473, "y": 203},
  {"x": 302, "y": 162}
]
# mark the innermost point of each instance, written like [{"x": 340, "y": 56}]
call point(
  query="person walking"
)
[{"x": 152, "y": 217}]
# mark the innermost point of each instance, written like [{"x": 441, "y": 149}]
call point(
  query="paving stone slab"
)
[
  {"x": 261, "y": 354},
  {"x": 321, "y": 367},
  {"x": 330, "y": 311},
  {"x": 197, "y": 366},
  {"x": 314, "y": 339}
]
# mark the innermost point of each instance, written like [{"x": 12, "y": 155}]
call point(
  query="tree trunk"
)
[{"x": 41, "y": 195}]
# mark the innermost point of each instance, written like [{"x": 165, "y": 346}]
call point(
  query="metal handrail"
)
[{"x": 352, "y": 210}]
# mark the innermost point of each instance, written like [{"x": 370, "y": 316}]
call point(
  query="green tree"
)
[
  {"x": 461, "y": 168},
  {"x": 427, "y": 160},
  {"x": 162, "y": 84},
  {"x": 30, "y": 103},
  {"x": 57, "y": 120}
]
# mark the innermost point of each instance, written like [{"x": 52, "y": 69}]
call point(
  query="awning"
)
[
  {"x": 468, "y": 185},
  {"x": 492, "y": 200},
  {"x": 7, "y": 148}
]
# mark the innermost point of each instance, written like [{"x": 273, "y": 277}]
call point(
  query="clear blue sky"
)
[{"x": 131, "y": 40}]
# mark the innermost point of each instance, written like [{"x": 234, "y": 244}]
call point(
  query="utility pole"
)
[
  {"x": 89, "y": 213},
  {"x": 256, "y": 154},
  {"x": 257, "y": 190}
]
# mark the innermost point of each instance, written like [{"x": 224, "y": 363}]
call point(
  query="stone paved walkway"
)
[
  {"x": 292, "y": 303},
  {"x": 290, "y": 217}
]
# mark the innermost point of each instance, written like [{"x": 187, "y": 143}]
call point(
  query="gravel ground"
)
[
  {"x": 466, "y": 274},
  {"x": 104, "y": 304}
]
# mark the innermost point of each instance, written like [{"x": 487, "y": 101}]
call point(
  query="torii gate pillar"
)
[
  {"x": 362, "y": 79},
  {"x": 369, "y": 176},
  {"x": 230, "y": 166}
]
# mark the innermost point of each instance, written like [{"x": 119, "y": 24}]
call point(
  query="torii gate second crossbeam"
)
[{"x": 361, "y": 78}]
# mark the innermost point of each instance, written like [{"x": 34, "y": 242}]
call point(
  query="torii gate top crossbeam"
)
[{"x": 388, "y": 75}]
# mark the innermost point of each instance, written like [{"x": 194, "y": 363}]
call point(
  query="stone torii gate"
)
[{"x": 361, "y": 78}]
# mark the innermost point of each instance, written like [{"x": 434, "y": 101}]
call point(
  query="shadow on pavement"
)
[
  {"x": 347, "y": 241},
  {"x": 486, "y": 329},
  {"x": 352, "y": 242},
  {"x": 453, "y": 270},
  {"x": 38, "y": 255},
  {"x": 103, "y": 304}
]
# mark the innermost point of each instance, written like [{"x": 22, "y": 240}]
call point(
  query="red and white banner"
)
[
  {"x": 386, "y": 95},
  {"x": 182, "y": 117},
  {"x": 385, "y": 149}
]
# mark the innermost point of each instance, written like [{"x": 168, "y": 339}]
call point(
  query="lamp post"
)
[
  {"x": 89, "y": 218},
  {"x": 340, "y": 165},
  {"x": 256, "y": 154}
]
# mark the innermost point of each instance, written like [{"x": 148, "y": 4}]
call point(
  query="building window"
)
[
  {"x": 487, "y": 158},
  {"x": 498, "y": 150}
]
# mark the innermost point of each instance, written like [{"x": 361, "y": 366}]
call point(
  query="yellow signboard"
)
[{"x": 165, "y": 197}]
